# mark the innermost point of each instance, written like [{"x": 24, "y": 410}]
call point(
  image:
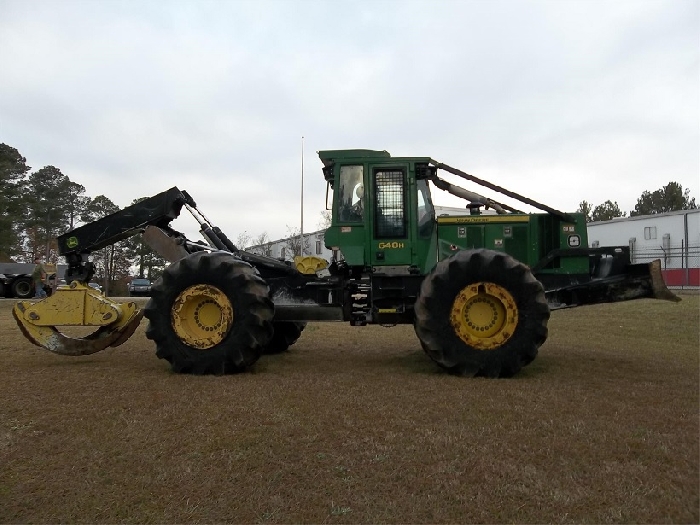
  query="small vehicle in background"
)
[
  {"x": 139, "y": 287},
  {"x": 95, "y": 286},
  {"x": 16, "y": 279}
]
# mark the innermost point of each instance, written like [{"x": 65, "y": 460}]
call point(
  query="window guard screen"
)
[{"x": 390, "y": 208}]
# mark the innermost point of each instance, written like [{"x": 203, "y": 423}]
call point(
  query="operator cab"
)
[{"x": 382, "y": 212}]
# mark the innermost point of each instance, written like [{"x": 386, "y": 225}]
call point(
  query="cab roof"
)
[{"x": 329, "y": 156}]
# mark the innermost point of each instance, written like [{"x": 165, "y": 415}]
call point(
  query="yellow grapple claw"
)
[{"x": 77, "y": 305}]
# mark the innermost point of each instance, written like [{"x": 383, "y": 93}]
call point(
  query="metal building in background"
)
[{"x": 673, "y": 237}]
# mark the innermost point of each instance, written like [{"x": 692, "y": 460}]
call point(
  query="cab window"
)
[
  {"x": 351, "y": 194},
  {"x": 426, "y": 211}
]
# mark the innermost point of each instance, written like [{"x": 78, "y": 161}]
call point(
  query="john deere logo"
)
[
  {"x": 72, "y": 242},
  {"x": 574, "y": 241}
]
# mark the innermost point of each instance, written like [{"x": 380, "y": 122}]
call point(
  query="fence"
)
[{"x": 680, "y": 263}]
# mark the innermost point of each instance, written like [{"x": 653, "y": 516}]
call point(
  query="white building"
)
[
  {"x": 280, "y": 249},
  {"x": 673, "y": 237}
]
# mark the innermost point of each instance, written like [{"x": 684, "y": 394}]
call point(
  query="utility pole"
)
[{"x": 301, "y": 230}]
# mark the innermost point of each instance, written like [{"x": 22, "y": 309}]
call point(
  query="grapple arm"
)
[
  {"x": 77, "y": 244},
  {"x": 76, "y": 304}
]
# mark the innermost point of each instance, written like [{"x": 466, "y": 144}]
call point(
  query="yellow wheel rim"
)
[
  {"x": 202, "y": 316},
  {"x": 484, "y": 315}
]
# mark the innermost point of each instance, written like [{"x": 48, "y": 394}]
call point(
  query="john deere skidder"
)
[{"x": 478, "y": 288}]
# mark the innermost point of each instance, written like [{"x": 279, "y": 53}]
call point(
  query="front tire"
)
[
  {"x": 481, "y": 312},
  {"x": 209, "y": 313}
]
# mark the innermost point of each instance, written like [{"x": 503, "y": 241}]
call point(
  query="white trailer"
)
[{"x": 672, "y": 237}]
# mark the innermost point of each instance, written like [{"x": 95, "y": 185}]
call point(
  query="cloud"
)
[{"x": 559, "y": 101}]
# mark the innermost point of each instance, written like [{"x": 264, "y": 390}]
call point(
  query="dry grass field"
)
[{"x": 356, "y": 425}]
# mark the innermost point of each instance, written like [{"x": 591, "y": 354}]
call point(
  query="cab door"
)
[
  {"x": 348, "y": 232},
  {"x": 391, "y": 234}
]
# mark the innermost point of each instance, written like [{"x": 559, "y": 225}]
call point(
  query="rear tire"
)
[
  {"x": 23, "y": 288},
  {"x": 481, "y": 312},
  {"x": 286, "y": 334},
  {"x": 210, "y": 313}
]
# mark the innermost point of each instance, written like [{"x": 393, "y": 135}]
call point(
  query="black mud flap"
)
[{"x": 635, "y": 281}]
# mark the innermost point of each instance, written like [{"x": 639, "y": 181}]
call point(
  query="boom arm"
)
[
  {"x": 562, "y": 215},
  {"x": 77, "y": 244},
  {"x": 467, "y": 195},
  {"x": 157, "y": 211}
]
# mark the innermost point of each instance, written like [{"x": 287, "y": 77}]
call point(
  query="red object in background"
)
[{"x": 682, "y": 277}]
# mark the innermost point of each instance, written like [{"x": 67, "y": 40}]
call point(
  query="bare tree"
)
[
  {"x": 244, "y": 240},
  {"x": 261, "y": 245},
  {"x": 112, "y": 262},
  {"x": 293, "y": 242},
  {"x": 325, "y": 220}
]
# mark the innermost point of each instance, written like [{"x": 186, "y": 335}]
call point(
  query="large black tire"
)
[
  {"x": 209, "y": 313},
  {"x": 23, "y": 288},
  {"x": 286, "y": 334},
  {"x": 481, "y": 312}
]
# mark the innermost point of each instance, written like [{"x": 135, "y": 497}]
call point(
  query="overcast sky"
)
[{"x": 558, "y": 100}]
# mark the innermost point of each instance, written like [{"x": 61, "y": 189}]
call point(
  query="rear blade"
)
[
  {"x": 636, "y": 281},
  {"x": 658, "y": 285}
]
